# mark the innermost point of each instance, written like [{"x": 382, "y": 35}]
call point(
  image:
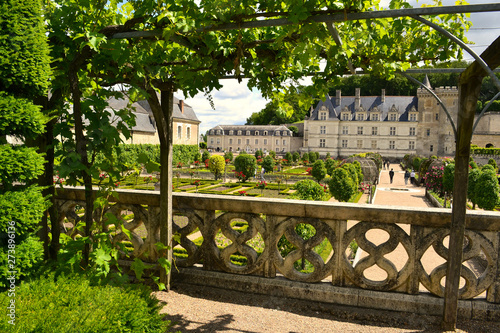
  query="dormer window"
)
[
  {"x": 345, "y": 116},
  {"x": 248, "y": 132},
  {"x": 393, "y": 117},
  {"x": 218, "y": 132},
  {"x": 322, "y": 115},
  {"x": 360, "y": 116},
  {"x": 231, "y": 132},
  {"x": 277, "y": 133},
  {"x": 284, "y": 133},
  {"x": 239, "y": 132},
  {"x": 211, "y": 132},
  {"x": 265, "y": 132},
  {"x": 256, "y": 132},
  {"x": 375, "y": 117}
]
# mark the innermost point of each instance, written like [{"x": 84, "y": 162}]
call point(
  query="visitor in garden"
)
[
  {"x": 262, "y": 172},
  {"x": 391, "y": 175},
  {"x": 412, "y": 177},
  {"x": 407, "y": 176}
]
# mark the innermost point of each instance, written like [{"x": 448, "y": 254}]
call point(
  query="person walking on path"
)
[
  {"x": 407, "y": 176},
  {"x": 391, "y": 174},
  {"x": 412, "y": 177}
]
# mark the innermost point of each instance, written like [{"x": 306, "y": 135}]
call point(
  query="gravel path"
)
[{"x": 203, "y": 309}]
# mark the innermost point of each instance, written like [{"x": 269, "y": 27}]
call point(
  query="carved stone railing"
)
[{"x": 210, "y": 217}]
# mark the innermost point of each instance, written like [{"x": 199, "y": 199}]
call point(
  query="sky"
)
[{"x": 235, "y": 102}]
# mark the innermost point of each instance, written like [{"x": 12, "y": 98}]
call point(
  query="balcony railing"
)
[{"x": 419, "y": 232}]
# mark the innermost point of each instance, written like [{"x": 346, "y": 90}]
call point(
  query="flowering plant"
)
[
  {"x": 239, "y": 175},
  {"x": 148, "y": 179},
  {"x": 434, "y": 179},
  {"x": 206, "y": 163},
  {"x": 242, "y": 192},
  {"x": 309, "y": 171},
  {"x": 262, "y": 184},
  {"x": 102, "y": 176},
  {"x": 179, "y": 165}
]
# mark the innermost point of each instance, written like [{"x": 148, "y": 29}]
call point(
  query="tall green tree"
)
[
  {"x": 318, "y": 170},
  {"x": 24, "y": 75},
  {"x": 487, "y": 189},
  {"x": 217, "y": 165},
  {"x": 245, "y": 166},
  {"x": 341, "y": 185}
]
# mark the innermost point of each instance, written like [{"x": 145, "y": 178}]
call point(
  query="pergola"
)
[{"x": 469, "y": 87}]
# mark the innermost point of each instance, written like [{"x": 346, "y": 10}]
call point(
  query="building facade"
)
[
  {"x": 392, "y": 126},
  {"x": 185, "y": 123},
  {"x": 249, "y": 138}
]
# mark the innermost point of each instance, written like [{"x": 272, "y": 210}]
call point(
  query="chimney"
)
[
  {"x": 382, "y": 98},
  {"x": 181, "y": 106},
  {"x": 357, "y": 100},
  {"x": 338, "y": 97}
]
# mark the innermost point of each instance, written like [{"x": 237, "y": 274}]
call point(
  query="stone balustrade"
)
[{"x": 416, "y": 232}]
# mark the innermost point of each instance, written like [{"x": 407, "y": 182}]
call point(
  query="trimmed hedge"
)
[{"x": 71, "y": 304}]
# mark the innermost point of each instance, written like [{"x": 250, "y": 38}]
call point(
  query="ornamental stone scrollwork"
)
[
  {"x": 476, "y": 247},
  {"x": 194, "y": 222},
  {"x": 304, "y": 249},
  {"x": 376, "y": 256},
  {"x": 238, "y": 243}
]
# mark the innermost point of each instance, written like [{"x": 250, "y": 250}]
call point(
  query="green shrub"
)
[
  {"x": 312, "y": 157},
  {"x": 244, "y": 166},
  {"x": 205, "y": 156},
  {"x": 228, "y": 156},
  {"x": 29, "y": 257},
  {"x": 268, "y": 163},
  {"x": 308, "y": 189},
  {"x": 216, "y": 165},
  {"x": 487, "y": 189},
  {"x": 330, "y": 165},
  {"x": 296, "y": 157},
  {"x": 342, "y": 187},
  {"x": 71, "y": 304},
  {"x": 318, "y": 170}
]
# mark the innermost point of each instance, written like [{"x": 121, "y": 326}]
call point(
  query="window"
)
[
  {"x": 256, "y": 132},
  {"x": 248, "y": 141},
  {"x": 231, "y": 132},
  {"x": 413, "y": 117},
  {"x": 179, "y": 132},
  {"x": 256, "y": 141},
  {"x": 374, "y": 144},
  {"x": 359, "y": 144},
  {"x": 212, "y": 141},
  {"x": 265, "y": 132},
  {"x": 431, "y": 148},
  {"x": 360, "y": 130},
  {"x": 239, "y": 141},
  {"x": 230, "y": 148},
  {"x": 437, "y": 116},
  {"x": 322, "y": 143},
  {"x": 345, "y": 130},
  {"x": 248, "y": 132},
  {"x": 411, "y": 145},
  {"x": 360, "y": 117},
  {"x": 265, "y": 141},
  {"x": 322, "y": 130},
  {"x": 188, "y": 132},
  {"x": 277, "y": 142},
  {"x": 375, "y": 116},
  {"x": 218, "y": 141},
  {"x": 230, "y": 141},
  {"x": 392, "y": 131},
  {"x": 211, "y": 132},
  {"x": 345, "y": 116},
  {"x": 284, "y": 142},
  {"x": 285, "y": 133},
  {"x": 412, "y": 131},
  {"x": 322, "y": 116},
  {"x": 218, "y": 132},
  {"x": 344, "y": 143},
  {"x": 277, "y": 133},
  {"x": 392, "y": 144},
  {"x": 374, "y": 130},
  {"x": 428, "y": 132},
  {"x": 393, "y": 117},
  {"x": 239, "y": 132}
]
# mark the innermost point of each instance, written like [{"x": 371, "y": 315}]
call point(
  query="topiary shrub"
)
[
  {"x": 268, "y": 163},
  {"x": 309, "y": 190},
  {"x": 487, "y": 189},
  {"x": 244, "y": 166},
  {"x": 342, "y": 187},
  {"x": 318, "y": 170},
  {"x": 71, "y": 304},
  {"x": 216, "y": 165}
]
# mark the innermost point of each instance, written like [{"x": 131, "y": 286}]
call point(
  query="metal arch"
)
[
  {"x": 484, "y": 111},
  {"x": 438, "y": 99},
  {"x": 452, "y": 37}
]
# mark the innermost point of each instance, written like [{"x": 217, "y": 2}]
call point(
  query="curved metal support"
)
[
  {"x": 484, "y": 110},
  {"x": 463, "y": 45},
  {"x": 438, "y": 99}
]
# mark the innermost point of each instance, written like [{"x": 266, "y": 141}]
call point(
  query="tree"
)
[
  {"x": 309, "y": 190},
  {"x": 289, "y": 157},
  {"x": 318, "y": 170},
  {"x": 305, "y": 158},
  {"x": 205, "y": 156},
  {"x": 24, "y": 76},
  {"x": 330, "y": 165},
  {"x": 493, "y": 163},
  {"x": 295, "y": 157},
  {"x": 245, "y": 166},
  {"x": 228, "y": 156},
  {"x": 449, "y": 178},
  {"x": 312, "y": 157},
  {"x": 341, "y": 185},
  {"x": 268, "y": 163},
  {"x": 294, "y": 130},
  {"x": 487, "y": 189},
  {"x": 259, "y": 154},
  {"x": 272, "y": 153},
  {"x": 471, "y": 185},
  {"x": 217, "y": 165}
]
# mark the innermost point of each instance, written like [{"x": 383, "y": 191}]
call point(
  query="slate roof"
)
[
  {"x": 403, "y": 104},
  {"x": 144, "y": 115},
  {"x": 252, "y": 128}
]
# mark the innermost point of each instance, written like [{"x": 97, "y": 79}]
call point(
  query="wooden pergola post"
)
[{"x": 469, "y": 87}]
